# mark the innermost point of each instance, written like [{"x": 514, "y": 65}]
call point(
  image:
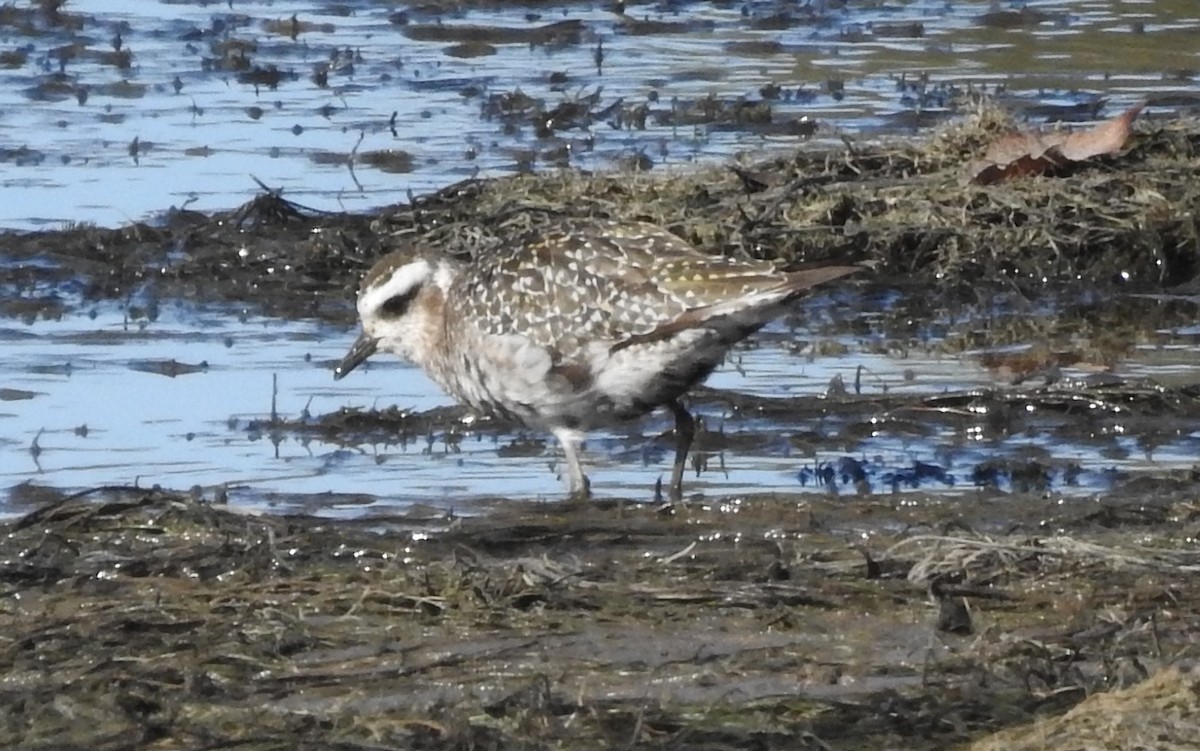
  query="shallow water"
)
[
  {"x": 185, "y": 401},
  {"x": 142, "y": 108}
]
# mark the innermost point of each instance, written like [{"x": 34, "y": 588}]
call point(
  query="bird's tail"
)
[
  {"x": 746, "y": 313},
  {"x": 802, "y": 281}
]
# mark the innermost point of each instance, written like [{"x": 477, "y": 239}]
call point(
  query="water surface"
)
[
  {"x": 185, "y": 400},
  {"x": 152, "y": 105}
]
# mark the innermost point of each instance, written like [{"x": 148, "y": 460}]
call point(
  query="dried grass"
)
[
  {"x": 1161, "y": 713},
  {"x": 906, "y": 208}
]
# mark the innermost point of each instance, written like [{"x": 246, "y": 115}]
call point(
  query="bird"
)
[{"x": 573, "y": 326}]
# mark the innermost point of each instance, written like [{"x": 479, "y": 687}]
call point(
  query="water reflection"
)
[
  {"x": 187, "y": 399},
  {"x": 114, "y": 111}
]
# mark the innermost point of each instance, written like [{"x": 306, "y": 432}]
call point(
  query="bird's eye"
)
[{"x": 397, "y": 305}]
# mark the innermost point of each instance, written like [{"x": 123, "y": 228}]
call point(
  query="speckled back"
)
[{"x": 597, "y": 280}]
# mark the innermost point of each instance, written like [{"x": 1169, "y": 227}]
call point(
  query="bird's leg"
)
[
  {"x": 578, "y": 486},
  {"x": 685, "y": 431}
]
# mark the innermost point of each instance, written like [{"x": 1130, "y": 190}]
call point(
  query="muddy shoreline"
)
[
  {"x": 137, "y": 617},
  {"x": 860, "y": 618}
]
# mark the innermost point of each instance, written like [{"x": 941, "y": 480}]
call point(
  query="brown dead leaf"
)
[
  {"x": 988, "y": 173},
  {"x": 1018, "y": 154},
  {"x": 1108, "y": 137},
  {"x": 1014, "y": 146}
]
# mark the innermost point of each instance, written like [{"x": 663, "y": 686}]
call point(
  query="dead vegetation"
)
[
  {"x": 1162, "y": 712},
  {"x": 1124, "y": 222},
  {"x": 136, "y": 618},
  {"x": 1025, "y": 153}
]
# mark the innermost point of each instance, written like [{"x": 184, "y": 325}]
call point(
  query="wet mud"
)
[
  {"x": 135, "y": 617},
  {"x": 854, "y": 617}
]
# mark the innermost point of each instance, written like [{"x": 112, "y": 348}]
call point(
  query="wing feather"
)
[{"x": 580, "y": 282}]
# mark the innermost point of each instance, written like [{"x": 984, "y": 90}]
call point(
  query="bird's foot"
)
[
  {"x": 673, "y": 498},
  {"x": 580, "y": 492}
]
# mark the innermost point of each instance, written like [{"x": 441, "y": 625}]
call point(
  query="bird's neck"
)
[
  {"x": 431, "y": 337},
  {"x": 425, "y": 318}
]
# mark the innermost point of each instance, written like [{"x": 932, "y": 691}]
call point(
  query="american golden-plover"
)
[{"x": 578, "y": 326}]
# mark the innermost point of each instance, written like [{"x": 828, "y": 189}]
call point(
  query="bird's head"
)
[{"x": 399, "y": 306}]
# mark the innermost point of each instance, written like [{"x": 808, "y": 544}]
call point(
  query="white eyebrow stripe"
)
[{"x": 401, "y": 280}]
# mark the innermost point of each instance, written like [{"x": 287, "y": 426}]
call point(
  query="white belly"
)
[{"x": 512, "y": 378}]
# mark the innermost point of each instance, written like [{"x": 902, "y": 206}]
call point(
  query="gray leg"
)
[
  {"x": 685, "y": 431},
  {"x": 577, "y": 482}
]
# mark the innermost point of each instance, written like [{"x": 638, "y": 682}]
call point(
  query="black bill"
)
[{"x": 362, "y": 348}]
